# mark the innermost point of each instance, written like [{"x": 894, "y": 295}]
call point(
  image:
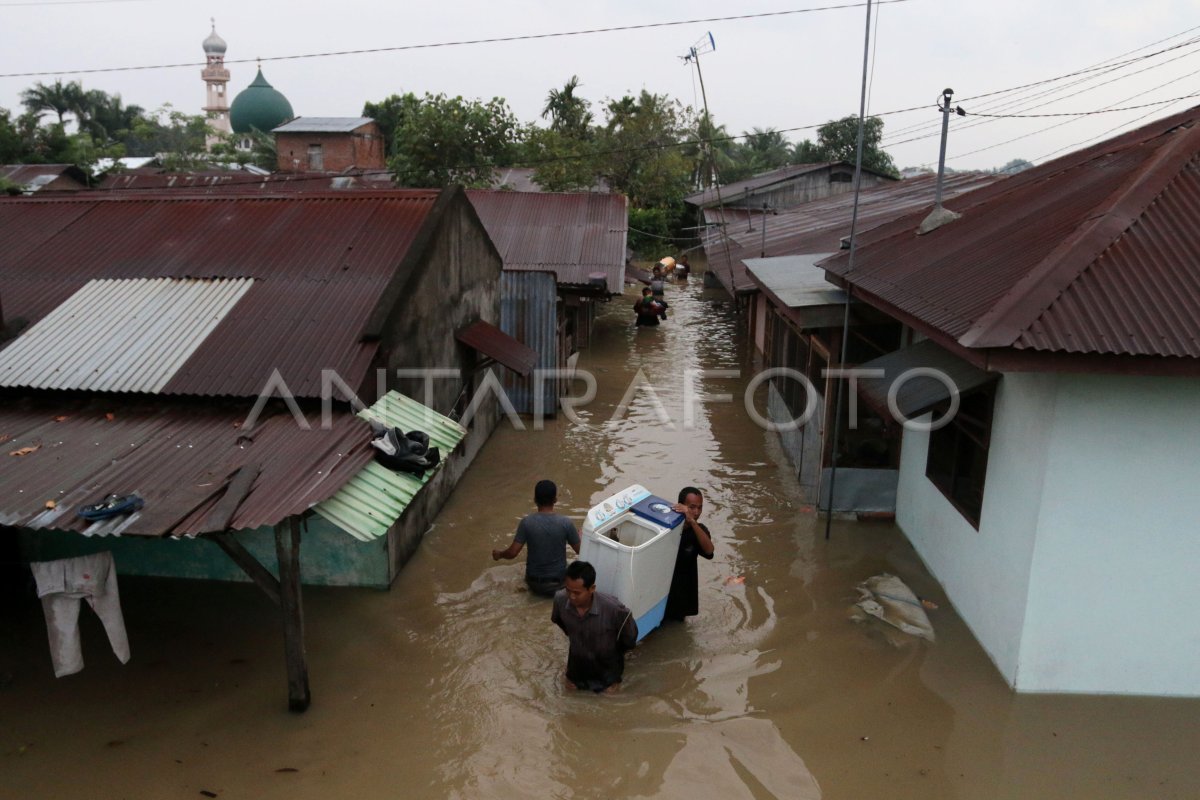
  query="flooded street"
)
[{"x": 448, "y": 686}]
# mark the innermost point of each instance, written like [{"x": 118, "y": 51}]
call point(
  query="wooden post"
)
[{"x": 287, "y": 551}]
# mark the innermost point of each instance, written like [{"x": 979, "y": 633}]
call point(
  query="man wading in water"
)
[
  {"x": 599, "y": 628},
  {"x": 547, "y": 534}
]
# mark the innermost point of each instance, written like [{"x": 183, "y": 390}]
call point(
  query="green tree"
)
[
  {"x": 13, "y": 149},
  {"x": 59, "y": 98},
  {"x": 561, "y": 163},
  {"x": 639, "y": 150},
  {"x": 177, "y": 137},
  {"x": 837, "y": 140},
  {"x": 765, "y": 149},
  {"x": 389, "y": 115},
  {"x": 443, "y": 140},
  {"x": 569, "y": 114}
]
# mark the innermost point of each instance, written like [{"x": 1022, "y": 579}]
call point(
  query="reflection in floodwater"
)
[{"x": 448, "y": 685}]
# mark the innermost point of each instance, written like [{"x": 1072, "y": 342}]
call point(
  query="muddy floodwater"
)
[{"x": 448, "y": 686}]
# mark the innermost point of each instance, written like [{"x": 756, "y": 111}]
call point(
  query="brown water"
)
[{"x": 448, "y": 685}]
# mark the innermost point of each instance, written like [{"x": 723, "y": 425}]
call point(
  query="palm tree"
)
[
  {"x": 569, "y": 115},
  {"x": 60, "y": 98}
]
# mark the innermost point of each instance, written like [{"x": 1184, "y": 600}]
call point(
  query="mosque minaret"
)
[{"x": 216, "y": 78}]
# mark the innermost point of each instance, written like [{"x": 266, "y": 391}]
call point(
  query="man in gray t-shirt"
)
[{"x": 547, "y": 535}]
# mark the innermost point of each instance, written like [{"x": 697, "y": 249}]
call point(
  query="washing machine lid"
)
[{"x": 659, "y": 511}]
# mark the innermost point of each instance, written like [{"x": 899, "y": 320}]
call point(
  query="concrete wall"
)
[
  {"x": 1112, "y": 595},
  {"x": 798, "y": 190},
  {"x": 1080, "y": 577},
  {"x": 456, "y": 282},
  {"x": 328, "y": 557},
  {"x": 985, "y": 572},
  {"x": 803, "y": 445}
]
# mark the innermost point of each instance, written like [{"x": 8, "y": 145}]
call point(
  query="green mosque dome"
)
[{"x": 260, "y": 106}]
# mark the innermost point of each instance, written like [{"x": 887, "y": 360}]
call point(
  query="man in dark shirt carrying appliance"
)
[
  {"x": 684, "y": 598},
  {"x": 547, "y": 535},
  {"x": 600, "y": 629}
]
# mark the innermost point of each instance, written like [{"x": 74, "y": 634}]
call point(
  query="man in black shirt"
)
[
  {"x": 599, "y": 628},
  {"x": 684, "y": 598}
]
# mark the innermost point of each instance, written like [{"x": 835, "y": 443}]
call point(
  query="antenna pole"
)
[
  {"x": 946, "y": 111},
  {"x": 837, "y": 403},
  {"x": 713, "y": 173}
]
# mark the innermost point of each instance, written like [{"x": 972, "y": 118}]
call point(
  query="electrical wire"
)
[
  {"x": 462, "y": 43},
  {"x": 1085, "y": 113},
  {"x": 933, "y": 129},
  {"x": 1025, "y": 99},
  {"x": 1102, "y": 134}
]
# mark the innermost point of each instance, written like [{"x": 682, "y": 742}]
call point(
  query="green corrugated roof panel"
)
[{"x": 374, "y": 499}]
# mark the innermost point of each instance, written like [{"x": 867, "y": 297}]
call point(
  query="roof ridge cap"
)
[{"x": 1009, "y": 316}]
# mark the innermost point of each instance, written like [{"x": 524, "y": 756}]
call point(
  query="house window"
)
[
  {"x": 316, "y": 157},
  {"x": 958, "y": 452}
]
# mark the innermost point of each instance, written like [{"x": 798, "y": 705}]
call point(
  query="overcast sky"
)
[{"x": 781, "y": 72}]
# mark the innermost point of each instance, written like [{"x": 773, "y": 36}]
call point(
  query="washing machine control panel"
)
[{"x": 619, "y": 503}]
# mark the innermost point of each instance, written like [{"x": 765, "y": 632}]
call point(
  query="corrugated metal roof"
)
[
  {"x": 228, "y": 182},
  {"x": 35, "y": 177},
  {"x": 179, "y": 458},
  {"x": 323, "y": 125},
  {"x": 371, "y": 502},
  {"x": 494, "y": 343},
  {"x": 319, "y": 263},
  {"x": 150, "y": 328},
  {"x": 920, "y": 393},
  {"x": 819, "y": 225},
  {"x": 529, "y": 313},
  {"x": 796, "y": 280},
  {"x": 573, "y": 234},
  {"x": 1092, "y": 253}
]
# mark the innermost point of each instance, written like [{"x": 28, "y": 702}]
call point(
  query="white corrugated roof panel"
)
[{"x": 120, "y": 335}]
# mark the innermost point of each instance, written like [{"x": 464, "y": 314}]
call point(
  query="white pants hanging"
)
[{"x": 61, "y": 585}]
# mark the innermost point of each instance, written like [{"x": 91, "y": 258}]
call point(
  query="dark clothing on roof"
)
[
  {"x": 684, "y": 598},
  {"x": 599, "y": 639}
]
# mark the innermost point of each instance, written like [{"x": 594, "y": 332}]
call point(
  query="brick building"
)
[{"x": 329, "y": 144}]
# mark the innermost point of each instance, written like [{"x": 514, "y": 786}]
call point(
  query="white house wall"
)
[
  {"x": 985, "y": 572},
  {"x": 1112, "y": 598}
]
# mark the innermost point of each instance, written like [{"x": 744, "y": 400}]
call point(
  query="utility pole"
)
[
  {"x": 940, "y": 216},
  {"x": 707, "y": 45}
]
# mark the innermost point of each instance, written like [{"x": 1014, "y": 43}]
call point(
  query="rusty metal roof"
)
[
  {"x": 228, "y": 181},
  {"x": 48, "y": 177},
  {"x": 496, "y": 344},
  {"x": 572, "y": 234},
  {"x": 319, "y": 263},
  {"x": 178, "y": 457},
  {"x": 818, "y": 226},
  {"x": 1092, "y": 253}
]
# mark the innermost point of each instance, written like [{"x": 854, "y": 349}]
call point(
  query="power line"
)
[
  {"x": 68, "y": 3},
  {"x": 1027, "y": 101},
  {"x": 465, "y": 42},
  {"x": 1017, "y": 101},
  {"x": 1085, "y": 113}
]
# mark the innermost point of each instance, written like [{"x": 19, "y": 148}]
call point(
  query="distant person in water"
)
[
  {"x": 547, "y": 535},
  {"x": 600, "y": 630},
  {"x": 682, "y": 268},
  {"x": 683, "y": 600},
  {"x": 658, "y": 289},
  {"x": 647, "y": 309}
]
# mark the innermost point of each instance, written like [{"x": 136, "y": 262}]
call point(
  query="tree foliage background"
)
[{"x": 651, "y": 147}]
